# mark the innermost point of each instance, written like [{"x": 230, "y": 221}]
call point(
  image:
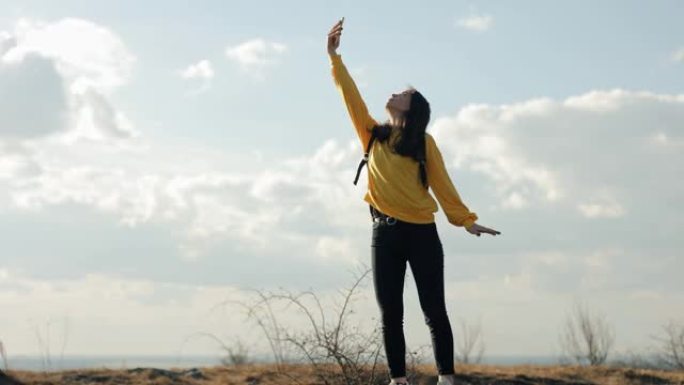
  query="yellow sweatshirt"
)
[{"x": 394, "y": 186}]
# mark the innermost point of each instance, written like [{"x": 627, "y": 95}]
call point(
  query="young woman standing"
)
[{"x": 405, "y": 161}]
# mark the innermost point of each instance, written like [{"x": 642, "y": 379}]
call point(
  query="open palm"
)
[{"x": 479, "y": 229}]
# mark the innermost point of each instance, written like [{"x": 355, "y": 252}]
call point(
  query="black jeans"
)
[{"x": 418, "y": 244}]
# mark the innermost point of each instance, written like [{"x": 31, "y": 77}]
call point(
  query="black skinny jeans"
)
[{"x": 419, "y": 245}]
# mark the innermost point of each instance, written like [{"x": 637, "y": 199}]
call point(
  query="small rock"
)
[
  {"x": 194, "y": 373},
  {"x": 7, "y": 380},
  {"x": 153, "y": 373}
]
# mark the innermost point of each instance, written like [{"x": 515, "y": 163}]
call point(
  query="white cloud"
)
[
  {"x": 476, "y": 23},
  {"x": 543, "y": 162},
  {"x": 76, "y": 308},
  {"x": 209, "y": 206},
  {"x": 6, "y": 41},
  {"x": 591, "y": 152},
  {"x": 664, "y": 140},
  {"x": 33, "y": 99},
  {"x": 16, "y": 162},
  {"x": 360, "y": 76},
  {"x": 256, "y": 55},
  {"x": 601, "y": 210},
  {"x": 527, "y": 152},
  {"x": 87, "y": 54},
  {"x": 336, "y": 248},
  {"x": 79, "y": 305},
  {"x": 678, "y": 55},
  {"x": 95, "y": 118},
  {"x": 612, "y": 100},
  {"x": 200, "y": 70},
  {"x": 90, "y": 62}
]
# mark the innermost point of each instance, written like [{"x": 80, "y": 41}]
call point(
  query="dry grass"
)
[{"x": 267, "y": 374}]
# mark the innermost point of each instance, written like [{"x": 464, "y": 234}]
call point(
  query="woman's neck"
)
[{"x": 396, "y": 123}]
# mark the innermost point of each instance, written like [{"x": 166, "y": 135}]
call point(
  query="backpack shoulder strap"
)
[
  {"x": 365, "y": 157},
  {"x": 422, "y": 171}
]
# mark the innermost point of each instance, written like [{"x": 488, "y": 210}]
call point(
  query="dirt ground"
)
[{"x": 268, "y": 374}]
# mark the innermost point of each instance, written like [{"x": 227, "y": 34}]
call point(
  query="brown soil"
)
[{"x": 267, "y": 374}]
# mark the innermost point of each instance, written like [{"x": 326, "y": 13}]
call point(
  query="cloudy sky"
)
[{"x": 158, "y": 159}]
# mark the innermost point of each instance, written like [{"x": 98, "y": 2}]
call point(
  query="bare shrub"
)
[
  {"x": 44, "y": 344},
  {"x": 585, "y": 337},
  {"x": 671, "y": 346},
  {"x": 417, "y": 357},
  {"x": 469, "y": 344},
  {"x": 634, "y": 360},
  {"x": 4, "y": 355},
  {"x": 5, "y": 378},
  {"x": 337, "y": 351},
  {"x": 236, "y": 354}
]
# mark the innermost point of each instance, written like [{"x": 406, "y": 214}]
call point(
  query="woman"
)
[{"x": 405, "y": 161}]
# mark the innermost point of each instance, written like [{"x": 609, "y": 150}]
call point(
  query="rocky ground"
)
[{"x": 264, "y": 374}]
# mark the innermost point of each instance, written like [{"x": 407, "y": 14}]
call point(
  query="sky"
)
[{"x": 158, "y": 159}]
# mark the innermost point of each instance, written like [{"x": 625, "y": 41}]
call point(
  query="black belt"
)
[{"x": 380, "y": 217}]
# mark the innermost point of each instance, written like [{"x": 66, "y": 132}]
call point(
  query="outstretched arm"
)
[
  {"x": 358, "y": 112},
  {"x": 457, "y": 213}
]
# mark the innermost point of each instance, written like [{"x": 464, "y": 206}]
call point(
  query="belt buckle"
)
[
  {"x": 390, "y": 221},
  {"x": 380, "y": 218}
]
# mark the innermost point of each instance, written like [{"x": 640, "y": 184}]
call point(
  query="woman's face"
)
[{"x": 401, "y": 101}]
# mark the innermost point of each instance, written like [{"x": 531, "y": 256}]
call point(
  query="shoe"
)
[{"x": 446, "y": 380}]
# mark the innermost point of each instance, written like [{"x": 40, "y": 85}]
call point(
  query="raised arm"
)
[
  {"x": 456, "y": 211},
  {"x": 358, "y": 112}
]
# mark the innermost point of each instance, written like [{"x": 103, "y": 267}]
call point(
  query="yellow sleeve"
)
[
  {"x": 363, "y": 122},
  {"x": 456, "y": 211}
]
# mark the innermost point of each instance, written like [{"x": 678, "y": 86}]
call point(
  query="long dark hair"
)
[{"x": 411, "y": 139}]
